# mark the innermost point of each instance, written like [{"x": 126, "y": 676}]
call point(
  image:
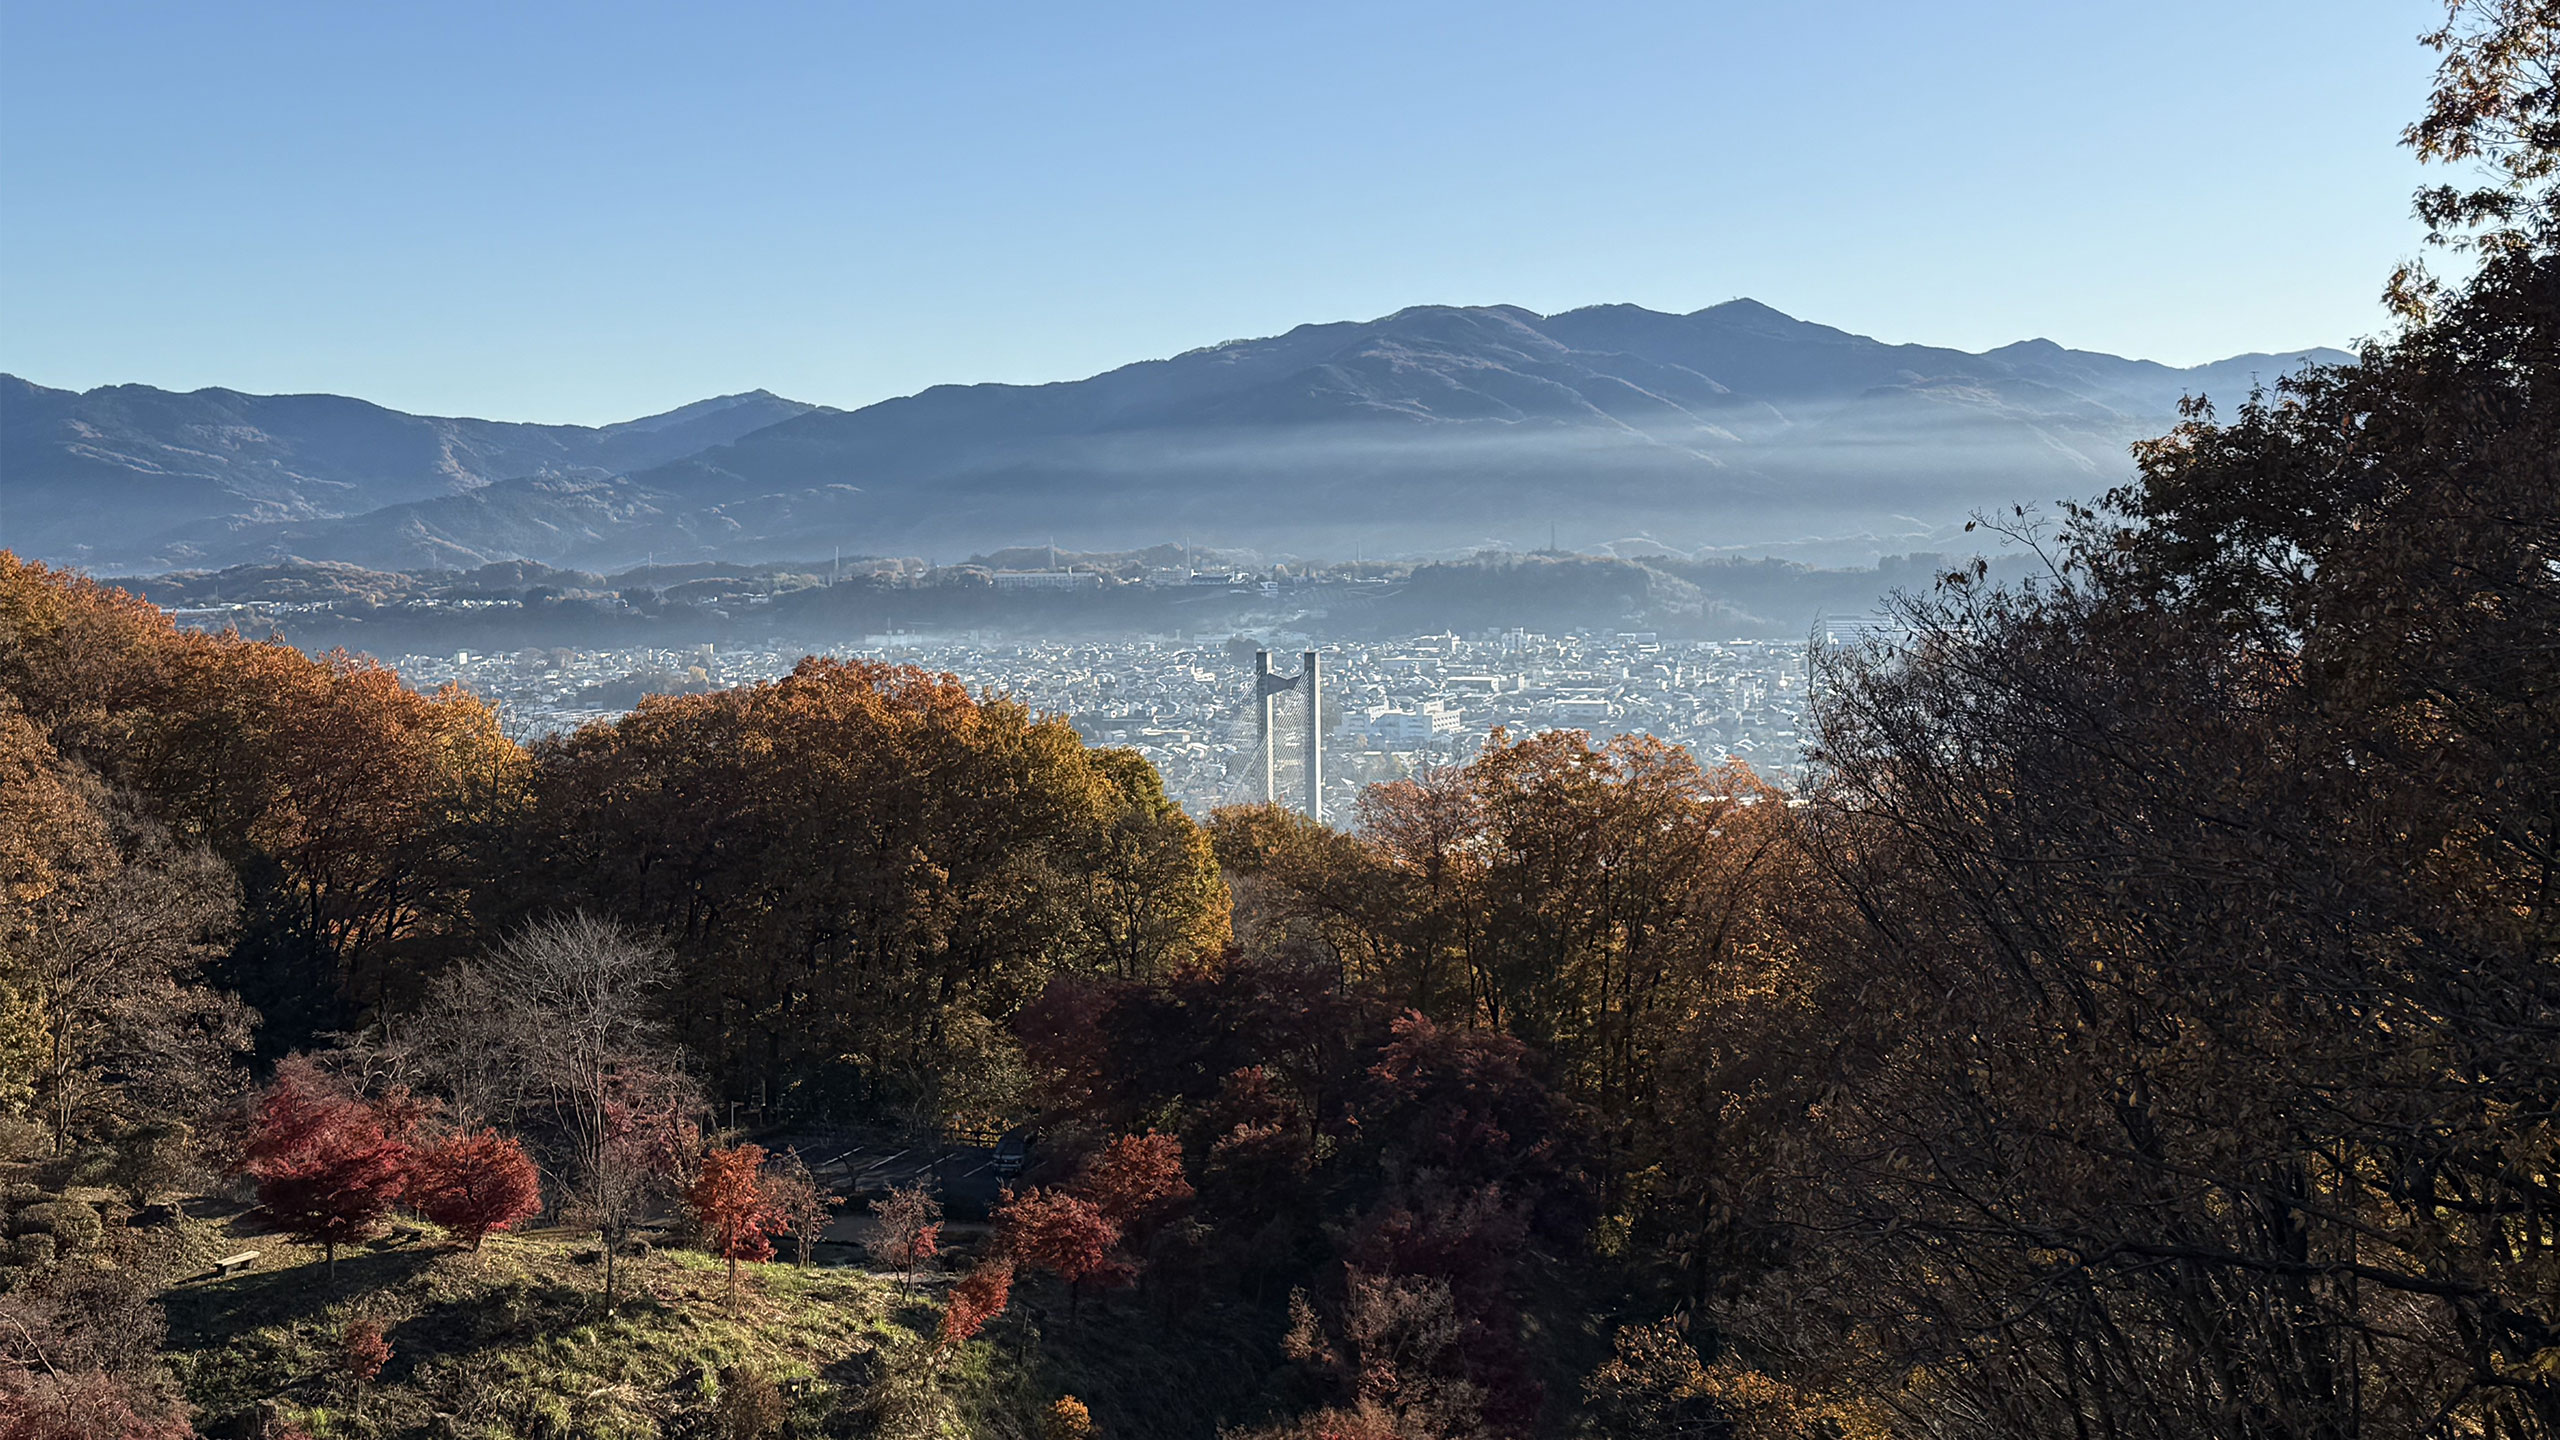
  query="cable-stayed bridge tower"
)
[{"x": 1267, "y": 685}]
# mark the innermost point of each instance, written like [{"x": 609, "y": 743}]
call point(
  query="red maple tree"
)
[
  {"x": 730, "y": 1200},
  {"x": 976, "y": 1298},
  {"x": 648, "y": 1144},
  {"x": 1063, "y": 1234},
  {"x": 473, "y": 1184},
  {"x": 362, "y": 1352},
  {"x": 1135, "y": 1178},
  {"x": 326, "y": 1167}
]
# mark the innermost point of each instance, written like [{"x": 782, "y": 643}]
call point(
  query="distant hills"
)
[
  {"x": 132, "y": 473},
  {"x": 1435, "y": 428}
]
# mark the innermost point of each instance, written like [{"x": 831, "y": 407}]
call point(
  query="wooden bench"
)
[{"x": 230, "y": 1265}]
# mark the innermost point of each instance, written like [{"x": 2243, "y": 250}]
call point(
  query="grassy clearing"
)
[{"x": 514, "y": 1341}]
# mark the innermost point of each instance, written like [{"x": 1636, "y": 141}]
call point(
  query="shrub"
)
[
  {"x": 154, "y": 1159},
  {"x": 35, "y": 1405},
  {"x": 21, "y": 1139},
  {"x": 978, "y": 1298},
  {"x": 803, "y": 1204},
  {"x": 750, "y": 1404},
  {"x": 909, "y": 1230},
  {"x": 79, "y": 1358},
  {"x": 73, "y": 1224},
  {"x": 90, "y": 1164},
  {"x": 94, "y": 1319},
  {"x": 1066, "y": 1419}
]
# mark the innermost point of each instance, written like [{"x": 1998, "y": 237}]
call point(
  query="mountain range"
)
[{"x": 1438, "y": 427}]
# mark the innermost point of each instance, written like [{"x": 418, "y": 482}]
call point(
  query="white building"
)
[{"x": 1393, "y": 729}]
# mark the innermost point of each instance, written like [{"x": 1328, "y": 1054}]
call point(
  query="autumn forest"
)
[{"x": 2143, "y": 1021}]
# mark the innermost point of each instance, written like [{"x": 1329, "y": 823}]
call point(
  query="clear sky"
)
[{"x": 560, "y": 211}]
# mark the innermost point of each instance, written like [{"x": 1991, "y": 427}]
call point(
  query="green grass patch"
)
[
  {"x": 515, "y": 1344},
  {"x": 515, "y": 1341}
]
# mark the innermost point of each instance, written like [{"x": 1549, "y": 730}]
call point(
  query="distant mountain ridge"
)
[
  {"x": 1433, "y": 427},
  {"x": 102, "y": 471}
]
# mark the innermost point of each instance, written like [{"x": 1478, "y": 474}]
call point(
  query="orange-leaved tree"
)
[
  {"x": 1135, "y": 1179},
  {"x": 356, "y": 810},
  {"x": 976, "y": 1298},
  {"x": 863, "y": 870},
  {"x": 1061, "y": 1233},
  {"x": 735, "y": 1210}
]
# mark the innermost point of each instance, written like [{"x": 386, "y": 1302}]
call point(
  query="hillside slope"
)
[{"x": 515, "y": 1341}]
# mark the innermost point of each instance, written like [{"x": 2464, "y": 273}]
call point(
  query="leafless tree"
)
[
  {"x": 556, "y": 1035},
  {"x": 577, "y": 997}
]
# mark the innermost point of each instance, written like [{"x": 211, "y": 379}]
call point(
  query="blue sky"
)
[{"x": 557, "y": 211}]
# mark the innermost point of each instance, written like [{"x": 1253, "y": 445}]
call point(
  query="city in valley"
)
[
  {"x": 1150, "y": 650},
  {"x": 1391, "y": 706}
]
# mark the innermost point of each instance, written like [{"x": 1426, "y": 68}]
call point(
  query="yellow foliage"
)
[
  {"x": 1067, "y": 1419},
  {"x": 1761, "y": 1407}
]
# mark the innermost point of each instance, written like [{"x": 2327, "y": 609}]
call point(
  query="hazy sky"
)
[{"x": 555, "y": 211}]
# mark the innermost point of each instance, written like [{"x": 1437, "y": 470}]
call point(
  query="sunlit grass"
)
[{"x": 515, "y": 1341}]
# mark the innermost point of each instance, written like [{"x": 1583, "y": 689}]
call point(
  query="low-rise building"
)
[
  {"x": 1398, "y": 729},
  {"x": 1045, "y": 580}
]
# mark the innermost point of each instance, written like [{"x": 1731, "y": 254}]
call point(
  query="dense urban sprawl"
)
[{"x": 1187, "y": 705}]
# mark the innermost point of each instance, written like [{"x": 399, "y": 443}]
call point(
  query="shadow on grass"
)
[
  {"x": 213, "y": 1313},
  {"x": 1195, "y": 1370},
  {"x": 504, "y": 1314},
  {"x": 911, "y": 1314},
  {"x": 852, "y": 1372}
]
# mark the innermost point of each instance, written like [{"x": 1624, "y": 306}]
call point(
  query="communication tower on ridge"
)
[{"x": 1267, "y": 685}]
